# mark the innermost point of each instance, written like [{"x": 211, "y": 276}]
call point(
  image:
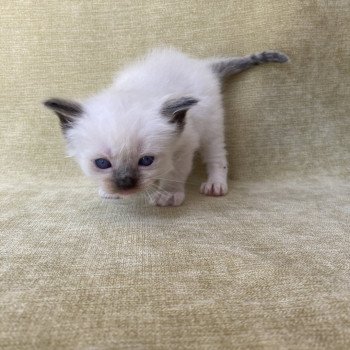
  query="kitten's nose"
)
[{"x": 126, "y": 182}]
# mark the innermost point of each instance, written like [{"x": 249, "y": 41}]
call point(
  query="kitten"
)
[{"x": 143, "y": 131}]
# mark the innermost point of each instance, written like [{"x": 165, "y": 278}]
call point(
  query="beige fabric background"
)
[{"x": 266, "y": 267}]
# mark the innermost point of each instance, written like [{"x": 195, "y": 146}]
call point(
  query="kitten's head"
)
[{"x": 125, "y": 146}]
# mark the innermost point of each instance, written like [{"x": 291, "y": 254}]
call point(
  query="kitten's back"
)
[{"x": 166, "y": 71}]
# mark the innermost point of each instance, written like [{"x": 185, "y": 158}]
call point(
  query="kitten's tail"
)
[{"x": 230, "y": 66}]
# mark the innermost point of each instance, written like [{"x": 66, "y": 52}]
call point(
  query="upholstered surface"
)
[{"x": 266, "y": 267}]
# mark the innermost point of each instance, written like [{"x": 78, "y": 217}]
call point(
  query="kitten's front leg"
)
[
  {"x": 164, "y": 198},
  {"x": 214, "y": 155},
  {"x": 216, "y": 184},
  {"x": 171, "y": 190}
]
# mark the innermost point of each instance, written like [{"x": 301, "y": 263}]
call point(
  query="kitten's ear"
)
[
  {"x": 67, "y": 111},
  {"x": 176, "y": 109}
]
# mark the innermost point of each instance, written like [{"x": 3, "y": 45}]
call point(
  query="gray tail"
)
[{"x": 230, "y": 66}]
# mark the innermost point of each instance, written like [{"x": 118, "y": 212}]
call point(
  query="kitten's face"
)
[
  {"x": 124, "y": 150},
  {"x": 123, "y": 160}
]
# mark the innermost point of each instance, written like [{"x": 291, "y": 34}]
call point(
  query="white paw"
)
[
  {"x": 167, "y": 199},
  {"x": 213, "y": 188},
  {"x": 106, "y": 195}
]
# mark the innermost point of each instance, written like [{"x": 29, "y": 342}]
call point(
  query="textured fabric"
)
[{"x": 265, "y": 267}]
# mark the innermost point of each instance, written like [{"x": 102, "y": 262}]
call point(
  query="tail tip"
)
[
  {"x": 282, "y": 58},
  {"x": 273, "y": 56}
]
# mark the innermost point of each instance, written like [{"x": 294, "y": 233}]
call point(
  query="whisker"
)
[
  {"x": 161, "y": 174},
  {"x": 171, "y": 180},
  {"x": 162, "y": 190},
  {"x": 151, "y": 195},
  {"x": 148, "y": 195},
  {"x": 183, "y": 182},
  {"x": 155, "y": 188}
]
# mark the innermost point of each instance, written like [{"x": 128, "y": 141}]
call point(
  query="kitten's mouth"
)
[
  {"x": 127, "y": 193},
  {"x": 112, "y": 190}
]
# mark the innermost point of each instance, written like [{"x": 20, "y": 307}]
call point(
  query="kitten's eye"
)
[
  {"x": 146, "y": 160},
  {"x": 103, "y": 163}
]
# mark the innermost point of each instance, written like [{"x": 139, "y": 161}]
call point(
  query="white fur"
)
[{"x": 124, "y": 123}]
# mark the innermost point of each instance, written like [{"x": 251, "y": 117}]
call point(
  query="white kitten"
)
[{"x": 142, "y": 132}]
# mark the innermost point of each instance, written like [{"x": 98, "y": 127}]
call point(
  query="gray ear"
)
[
  {"x": 67, "y": 111},
  {"x": 176, "y": 109}
]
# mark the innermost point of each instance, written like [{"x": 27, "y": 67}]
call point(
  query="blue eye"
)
[
  {"x": 103, "y": 163},
  {"x": 146, "y": 160}
]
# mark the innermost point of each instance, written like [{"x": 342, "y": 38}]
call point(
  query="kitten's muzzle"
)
[{"x": 126, "y": 179}]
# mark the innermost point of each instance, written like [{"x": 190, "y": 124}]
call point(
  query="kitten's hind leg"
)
[{"x": 214, "y": 156}]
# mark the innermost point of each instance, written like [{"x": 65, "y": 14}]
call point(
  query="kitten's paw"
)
[
  {"x": 167, "y": 199},
  {"x": 213, "y": 188},
  {"x": 106, "y": 195}
]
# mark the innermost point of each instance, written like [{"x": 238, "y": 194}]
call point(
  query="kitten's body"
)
[{"x": 166, "y": 106}]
